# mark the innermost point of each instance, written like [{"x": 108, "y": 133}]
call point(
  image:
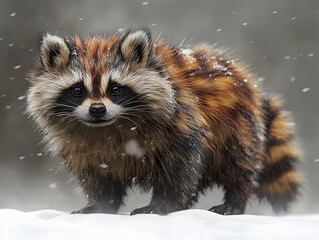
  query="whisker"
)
[
  {"x": 132, "y": 98},
  {"x": 121, "y": 116},
  {"x": 63, "y": 105},
  {"x": 157, "y": 125}
]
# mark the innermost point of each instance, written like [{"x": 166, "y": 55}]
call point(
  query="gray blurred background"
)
[{"x": 278, "y": 39}]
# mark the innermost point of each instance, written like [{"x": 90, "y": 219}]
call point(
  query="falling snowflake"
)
[
  {"x": 21, "y": 97},
  {"x": 17, "y": 67},
  {"x": 144, "y": 3},
  {"x": 305, "y": 90},
  {"x": 287, "y": 57},
  {"x": 12, "y": 14},
  {"x": 218, "y": 30},
  {"x": 39, "y": 154},
  {"x": 311, "y": 54},
  {"x": 245, "y": 23},
  {"x": 134, "y": 180},
  {"x": 103, "y": 165},
  {"x": 292, "y": 79},
  {"x": 274, "y": 12},
  {"x": 52, "y": 185}
]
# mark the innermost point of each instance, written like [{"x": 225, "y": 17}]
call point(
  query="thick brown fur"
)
[{"x": 185, "y": 119}]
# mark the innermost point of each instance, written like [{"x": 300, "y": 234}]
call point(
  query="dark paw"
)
[
  {"x": 226, "y": 209},
  {"x": 150, "y": 210},
  {"x": 93, "y": 208},
  {"x": 85, "y": 210}
]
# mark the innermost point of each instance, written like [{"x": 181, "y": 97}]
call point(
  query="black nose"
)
[{"x": 97, "y": 110}]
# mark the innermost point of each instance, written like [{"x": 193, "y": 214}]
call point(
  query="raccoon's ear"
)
[
  {"x": 54, "y": 52},
  {"x": 135, "y": 47}
]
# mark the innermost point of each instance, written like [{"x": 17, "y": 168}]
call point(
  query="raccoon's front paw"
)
[
  {"x": 226, "y": 209},
  {"x": 86, "y": 210},
  {"x": 150, "y": 210}
]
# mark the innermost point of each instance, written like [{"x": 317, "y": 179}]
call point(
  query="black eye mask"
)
[{"x": 70, "y": 98}]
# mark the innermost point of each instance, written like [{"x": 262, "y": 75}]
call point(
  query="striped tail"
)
[{"x": 280, "y": 180}]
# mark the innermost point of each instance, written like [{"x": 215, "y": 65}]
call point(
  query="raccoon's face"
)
[
  {"x": 99, "y": 81},
  {"x": 115, "y": 102}
]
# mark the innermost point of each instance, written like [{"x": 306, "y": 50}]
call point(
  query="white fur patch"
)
[{"x": 133, "y": 148}]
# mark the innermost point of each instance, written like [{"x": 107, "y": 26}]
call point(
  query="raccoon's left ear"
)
[
  {"x": 54, "y": 52},
  {"x": 135, "y": 47}
]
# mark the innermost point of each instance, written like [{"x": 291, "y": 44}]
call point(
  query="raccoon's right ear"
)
[{"x": 54, "y": 52}]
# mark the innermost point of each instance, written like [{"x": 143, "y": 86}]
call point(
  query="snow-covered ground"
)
[{"x": 190, "y": 224}]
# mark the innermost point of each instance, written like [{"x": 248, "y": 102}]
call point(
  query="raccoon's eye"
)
[
  {"x": 77, "y": 91},
  {"x": 116, "y": 90}
]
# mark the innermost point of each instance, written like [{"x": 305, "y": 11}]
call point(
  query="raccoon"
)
[{"x": 126, "y": 109}]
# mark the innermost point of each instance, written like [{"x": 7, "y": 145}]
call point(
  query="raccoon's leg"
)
[
  {"x": 168, "y": 198},
  {"x": 238, "y": 168},
  {"x": 235, "y": 201},
  {"x": 176, "y": 182},
  {"x": 238, "y": 186},
  {"x": 105, "y": 195}
]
